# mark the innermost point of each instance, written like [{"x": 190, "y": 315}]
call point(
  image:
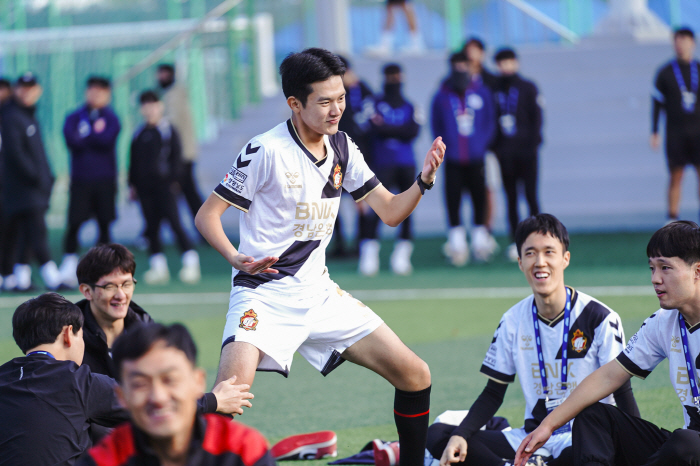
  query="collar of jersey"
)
[
  {"x": 293, "y": 132},
  {"x": 560, "y": 316}
]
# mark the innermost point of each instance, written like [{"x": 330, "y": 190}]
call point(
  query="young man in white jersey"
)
[
  {"x": 602, "y": 434},
  {"x": 287, "y": 183},
  {"x": 554, "y": 328}
]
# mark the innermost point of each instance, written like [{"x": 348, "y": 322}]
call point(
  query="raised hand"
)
[{"x": 433, "y": 159}]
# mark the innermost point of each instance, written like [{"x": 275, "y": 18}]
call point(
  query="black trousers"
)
[
  {"x": 158, "y": 203},
  {"x": 460, "y": 178},
  {"x": 485, "y": 448},
  {"x": 604, "y": 435},
  {"x": 515, "y": 170},
  {"x": 397, "y": 179},
  {"x": 25, "y": 236},
  {"x": 188, "y": 185},
  {"x": 88, "y": 199}
]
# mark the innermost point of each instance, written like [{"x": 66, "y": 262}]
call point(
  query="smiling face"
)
[
  {"x": 324, "y": 107},
  {"x": 160, "y": 390},
  {"x": 675, "y": 282},
  {"x": 543, "y": 262},
  {"x": 109, "y": 306}
]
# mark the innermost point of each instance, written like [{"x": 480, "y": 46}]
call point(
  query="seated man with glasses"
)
[{"x": 106, "y": 277}]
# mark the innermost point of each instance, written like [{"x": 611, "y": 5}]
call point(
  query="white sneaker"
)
[
  {"x": 456, "y": 248},
  {"x": 51, "y": 276},
  {"x": 482, "y": 244},
  {"x": 69, "y": 265},
  {"x": 401, "y": 257},
  {"x": 23, "y": 276},
  {"x": 369, "y": 258},
  {"x": 190, "y": 272},
  {"x": 9, "y": 282},
  {"x": 384, "y": 48},
  {"x": 512, "y": 252},
  {"x": 158, "y": 274},
  {"x": 416, "y": 45}
]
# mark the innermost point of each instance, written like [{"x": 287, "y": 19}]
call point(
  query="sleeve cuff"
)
[
  {"x": 239, "y": 202},
  {"x": 367, "y": 188},
  {"x": 209, "y": 403},
  {"x": 629, "y": 366},
  {"x": 496, "y": 376}
]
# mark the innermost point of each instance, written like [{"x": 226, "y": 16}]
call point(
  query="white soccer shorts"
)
[
  {"x": 553, "y": 446},
  {"x": 319, "y": 325}
]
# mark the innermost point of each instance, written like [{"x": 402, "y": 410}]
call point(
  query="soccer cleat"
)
[
  {"x": 369, "y": 258},
  {"x": 512, "y": 252},
  {"x": 9, "y": 283},
  {"x": 158, "y": 274},
  {"x": 483, "y": 244},
  {"x": 401, "y": 258},
  {"x": 190, "y": 272},
  {"x": 311, "y": 446},
  {"x": 384, "y": 48},
  {"x": 456, "y": 248},
  {"x": 385, "y": 454}
]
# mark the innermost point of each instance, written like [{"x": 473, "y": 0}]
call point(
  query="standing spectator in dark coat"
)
[
  {"x": 518, "y": 138},
  {"x": 395, "y": 129},
  {"x": 475, "y": 50},
  {"x": 26, "y": 187},
  {"x": 676, "y": 92},
  {"x": 463, "y": 114},
  {"x": 5, "y": 96},
  {"x": 359, "y": 109},
  {"x": 91, "y": 136},
  {"x": 47, "y": 399},
  {"x": 155, "y": 167}
]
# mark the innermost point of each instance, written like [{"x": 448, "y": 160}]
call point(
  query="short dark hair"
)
[
  {"x": 104, "y": 259},
  {"x": 546, "y": 224},
  {"x": 505, "y": 53},
  {"x": 169, "y": 67},
  {"x": 98, "y": 81},
  {"x": 345, "y": 61},
  {"x": 677, "y": 239},
  {"x": 474, "y": 41},
  {"x": 132, "y": 345},
  {"x": 300, "y": 70},
  {"x": 391, "y": 68},
  {"x": 4, "y": 82},
  {"x": 148, "y": 97},
  {"x": 458, "y": 57},
  {"x": 40, "y": 320},
  {"x": 684, "y": 31}
]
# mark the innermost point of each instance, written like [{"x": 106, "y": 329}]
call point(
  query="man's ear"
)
[
  {"x": 86, "y": 290},
  {"x": 200, "y": 378},
  {"x": 67, "y": 336},
  {"x": 696, "y": 270},
  {"x": 567, "y": 259},
  {"x": 294, "y": 104}
]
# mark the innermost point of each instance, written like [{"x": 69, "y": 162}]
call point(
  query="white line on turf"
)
[{"x": 169, "y": 299}]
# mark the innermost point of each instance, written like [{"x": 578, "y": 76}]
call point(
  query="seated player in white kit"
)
[
  {"x": 556, "y": 327},
  {"x": 287, "y": 183}
]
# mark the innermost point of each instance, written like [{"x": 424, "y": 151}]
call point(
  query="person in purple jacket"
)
[
  {"x": 463, "y": 113},
  {"x": 91, "y": 136}
]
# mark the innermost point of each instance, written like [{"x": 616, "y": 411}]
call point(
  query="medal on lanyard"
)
[
  {"x": 688, "y": 96},
  {"x": 551, "y": 404},
  {"x": 509, "y": 106},
  {"x": 464, "y": 118},
  {"x": 692, "y": 377}
]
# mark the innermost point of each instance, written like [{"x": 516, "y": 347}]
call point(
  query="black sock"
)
[{"x": 411, "y": 410}]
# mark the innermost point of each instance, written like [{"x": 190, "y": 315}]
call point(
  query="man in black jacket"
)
[
  {"x": 26, "y": 188},
  {"x": 47, "y": 399},
  {"x": 155, "y": 166},
  {"x": 518, "y": 138},
  {"x": 106, "y": 277}
]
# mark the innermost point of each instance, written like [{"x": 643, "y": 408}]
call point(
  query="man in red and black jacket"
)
[{"x": 159, "y": 384}]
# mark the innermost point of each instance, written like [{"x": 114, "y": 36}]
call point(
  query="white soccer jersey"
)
[
  {"x": 595, "y": 338},
  {"x": 659, "y": 338},
  {"x": 289, "y": 202}
]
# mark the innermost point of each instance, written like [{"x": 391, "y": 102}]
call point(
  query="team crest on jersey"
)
[
  {"x": 337, "y": 177},
  {"x": 249, "y": 321},
  {"x": 579, "y": 341}
]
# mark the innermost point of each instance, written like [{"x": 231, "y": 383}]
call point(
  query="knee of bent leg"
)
[
  {"x": 419, "y": 375},
  {"x": 590, "y": 414},
  {"x": 681, "y": 447}
]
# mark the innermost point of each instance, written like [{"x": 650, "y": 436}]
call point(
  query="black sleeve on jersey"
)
[
  {"x": 483, "y": 409},
  {"x": 631, "y": 367},
  {"x": 656, "y": 105},
  {"x": 497, "y": 376},
  {"x": 625, "y": 399}
]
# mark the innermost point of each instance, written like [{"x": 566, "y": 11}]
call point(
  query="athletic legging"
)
[
  {"x": 513, "y": 170},
  {"x": 26, "y": 236},
  {"x": 458, "y": 179}
]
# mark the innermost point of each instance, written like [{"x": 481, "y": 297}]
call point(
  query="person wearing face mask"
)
[
  {"x": 518, "y": 138},
  {"x": 395, "y": 128},
  {"x": 463, "y": 113}
]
